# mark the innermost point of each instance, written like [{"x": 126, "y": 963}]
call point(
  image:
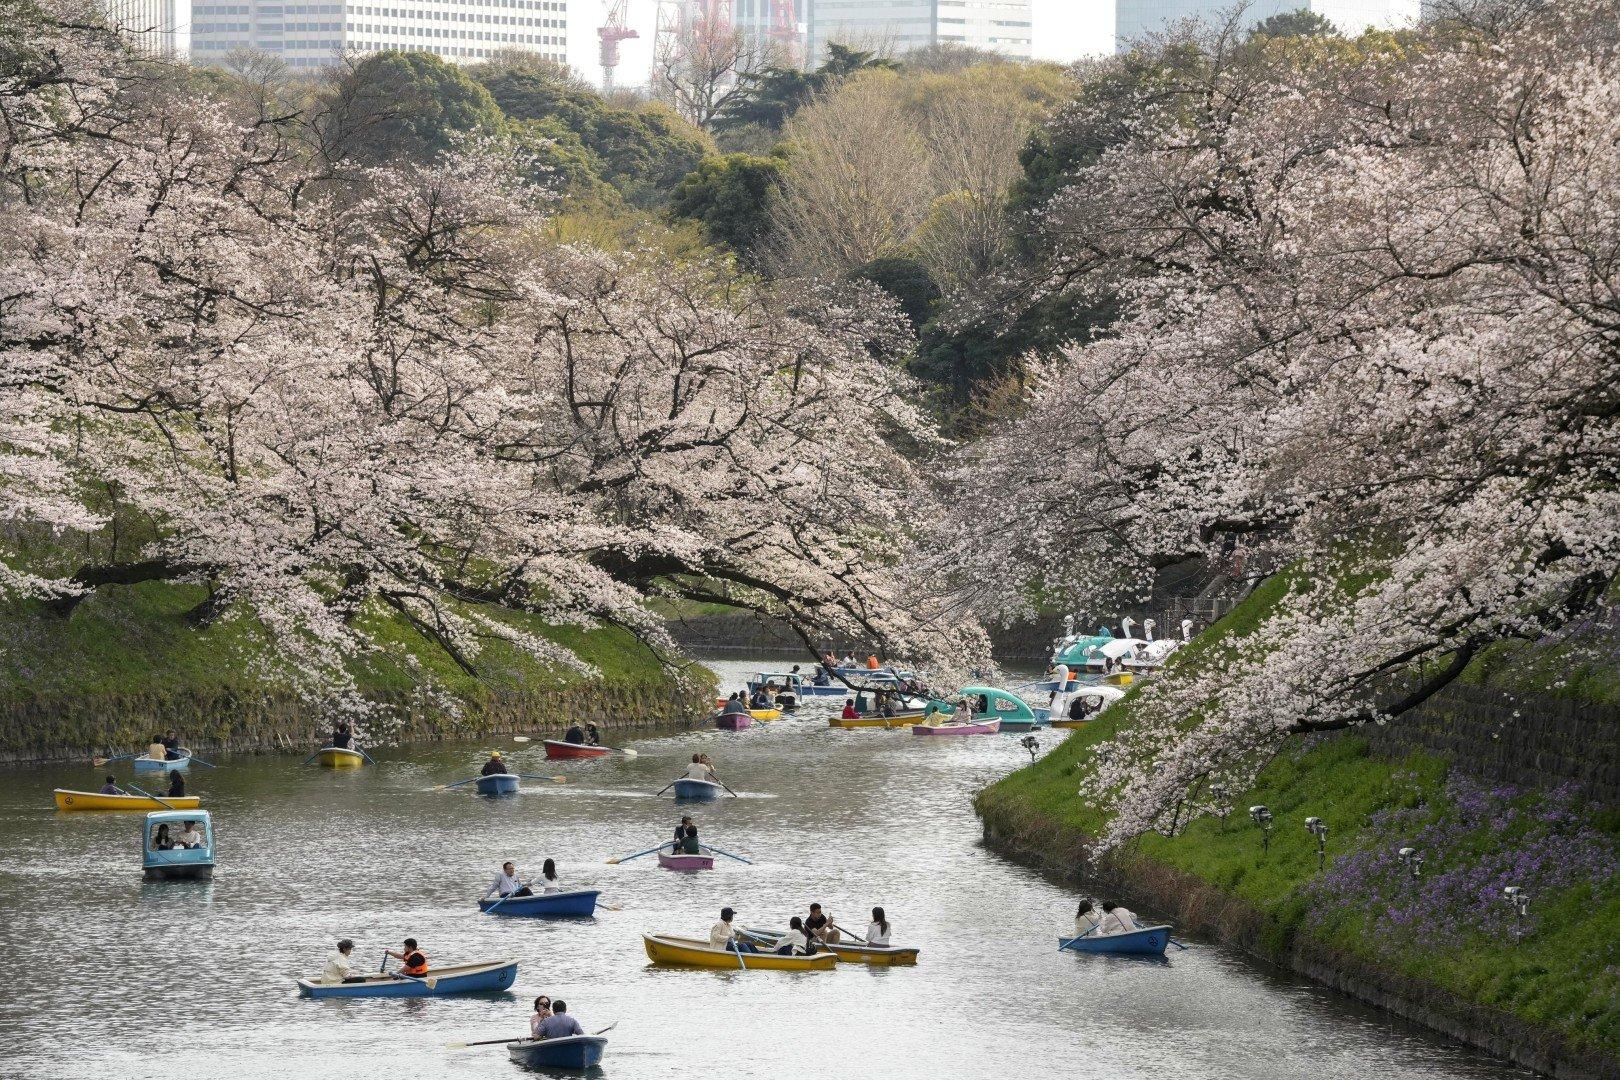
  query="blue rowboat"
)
[
  {"x": 697, "y": 789},
  {"x": 485, "y": 978},
  {"x": 1148, "y": 941},
  {"x": 568, "y": 1052},
  {"x": 498, "y": 784},
  {"x": 545, "y": 905},
  {"x": 146, "y": 764}
]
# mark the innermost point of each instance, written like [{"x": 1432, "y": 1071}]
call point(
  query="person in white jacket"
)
[{"x": 1117, "y": 919}]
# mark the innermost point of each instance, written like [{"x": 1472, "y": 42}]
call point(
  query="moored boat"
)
[
  {"x": 691, "y": 952},
  {"x": 685, "y": 863},
  {"x": 498, "y": 784},
  {"x": 147, "y": 764},
  {"x": 1147, "y": 941},
  {"x": 697, "y": 789},
  {"x": 68, "y": 799},
  {"x": 733, "y": 721},
  {"x": 988, "y": 728},
  {"x": 339, "y": 757},
  {"x": 489, "y": 977},
  {"x": 551, "y": 905},
  {"x": 177, "y": 863},
  {"x": 568, "y": 1052},
  {"x": 555, "y": 748}
]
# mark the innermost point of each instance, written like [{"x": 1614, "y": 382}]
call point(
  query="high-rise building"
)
[
  {"x": 319, "y": 34},
  {"x": 153, "y": 26},
  {"x": 1134, "y": 19},
  {"x": 893, "y": 27}
]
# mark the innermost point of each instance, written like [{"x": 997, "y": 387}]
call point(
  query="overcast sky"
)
[{"x": 1064, "y": 30}]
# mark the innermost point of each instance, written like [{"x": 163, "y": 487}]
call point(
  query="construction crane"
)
[
  {"x": 784, "y": 28},
  {"x": 614, "y": 29}
]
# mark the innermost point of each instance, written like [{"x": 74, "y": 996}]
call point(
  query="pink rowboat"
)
[
  {"x": 685, "y": 863},
  {"x": 989, "y": 727},
  {"x": 558, "y": 749},
  {"x": 733, "y": 721}
]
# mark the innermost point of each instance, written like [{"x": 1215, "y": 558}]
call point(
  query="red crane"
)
[
  {"x": 784, "y": 22},
  {"x": 614, "y": 30}
]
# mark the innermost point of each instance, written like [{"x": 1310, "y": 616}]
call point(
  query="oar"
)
[
  {"x": 98, "y": 762},
  {"x": 431, "y": 982},
  {"x": 625, "y": 750},
  {"x": 149, "y": 795},
  {"x": 553, "y": 779},
  {"x": 494, "y": 1042},
  {"x": 852, "y": 934},
  {"x": 1171, "y": 940},
  {"x": 313, "y": 756},
  {"x": 1064, "y": 943},
  {"x": 665, "y": 788},
  {"x": 365, "y": 755},
  {"x": 727, "y": 854},
  {"x": 200, "y": 761},
  {"x": 521, "y": 886},
  {"x": 464, "y": 783},
  {"x": 722, "y": 783},
  {"x": 637, "y": 855}
]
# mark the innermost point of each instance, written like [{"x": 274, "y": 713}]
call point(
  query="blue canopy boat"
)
[
  {"x": 544, "y": 905},
  {"x": 568, "y": 1052},
  {"x": 490, "y": 977},
  {"x": 697, "y": 789},
  {"x": 1147, "y": 941},
  {"x": 177, "y": 863},
  {"x": 146, "y": 764},
  {"x": 498, "y": 784}
]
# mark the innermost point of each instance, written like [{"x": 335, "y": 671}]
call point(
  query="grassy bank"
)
[
  {"x": 128, "y": 656},
  {"x": 1447, "y": 938}
]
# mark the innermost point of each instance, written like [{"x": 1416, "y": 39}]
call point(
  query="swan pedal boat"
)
[
  {"x": 697, "y": 789},
  {"x": 498, "y": 784},
  {"x": 544, "y": 905},
  {"x": 685, "y": 863},
  {"x": 68, "y": 799},
  {"x": 556, "y": 748},
  {"x": 489, "y": 977},
  {"x": 691, "y": 952},
  {"x": 568, "y": 1052},
  {"x": 147, "y": 764},
  {"x": 339, "y": 757},
  {"x": 853, "y": 952},
  {"x": 1147, "y": 941},
  {"x": 988, "y": 728}
]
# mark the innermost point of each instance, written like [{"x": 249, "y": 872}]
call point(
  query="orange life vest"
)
[{"x": 416, "y": 969}]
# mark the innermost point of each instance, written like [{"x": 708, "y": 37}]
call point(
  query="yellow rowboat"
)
[
  {"x": 690, "y": 952},
  {"x": 901, "y": 721},
  {"x": 67, "y": 799},
  {"x": 877, "y": 955},
  {"x": 1119, "y": 678},
  {"x": 757, "y": 714},
  {"x": 1073, "y": 724},
  {"x": 338, "y": 757}
]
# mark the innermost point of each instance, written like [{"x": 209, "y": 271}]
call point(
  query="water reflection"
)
[{"x": 133, "y": 979}]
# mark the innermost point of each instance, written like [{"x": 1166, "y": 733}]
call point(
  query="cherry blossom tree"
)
[
  {"x": 323, "y": 389},
  {"x": 1370, "y": 333}
]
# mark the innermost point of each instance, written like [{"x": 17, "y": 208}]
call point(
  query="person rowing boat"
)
[
  {"x": 413, "y": 961},
  {"x": 680, "y": 834},
  {"x": 506, "y": 884},
  {"x": 495, "y": 766},
  {"x": 820, "y": 925},
  {"x": 559, "y": 1025},
  {"x": 1117, "y": 919}
]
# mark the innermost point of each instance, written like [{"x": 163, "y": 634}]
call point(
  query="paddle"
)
[
  {"x": 200, "y": 761},
  {"x": 625, "y": 750},
  {"x": 722, "y": 783},
  {"x": 365, "y": 755},
  {"x": 430, "y": 982},
  {"x": 149, "y": 795},
  {"x": 665, "y": 788},
  {"x": 313, "y": 756},
  {"x": 1168, "y": 938},
  {"x": 834, "y": 926},
  {"x": 1064, "y": 943},
  {"x": 508, "y": 896},
  {"x": 464, "y": 783},
  {"x": 553, "y": 779},
  {"x": 98, "y": 762},
  {"x": 727, "y": 854},
  {"x": 495, "y": 1042},
  {"x": 637, "y": 855}
]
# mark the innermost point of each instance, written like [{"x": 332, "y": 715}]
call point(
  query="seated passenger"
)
[
  {"x": 689, "y": 842},
  {"x": 177, "y": 784},
  {"x": 542, "y": 1011},
  {"x": 593, "y": 737},
  {"x": 1086, "y": 919},
  {"x": 877, "y": 933},
  {"x": 110, "y": 788},
  {"x": 796, "y": 942},
  {"x": 575, "y": 734},
  {"x": 722, "y": 936},
  {"x": 157, "y": 751},
  {"x": 823, "y": 677},
  {"x": 171, "y": 746},
  {"x": 161, "y": 840},
  {"x": 338, "y": 968},
  {"x": 760, "y": 700},
  {"x": 849, "y": 710},
  {"x": 548, "y": 879},
  {"x": 342, "y": 736},
  {"x": 190, "y": 836},
  {"x": 698, "y": 770}
]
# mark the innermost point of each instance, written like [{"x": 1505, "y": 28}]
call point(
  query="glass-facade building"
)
[
  {"x": 157, "y": 27},
  {"x": 893, "y": 27},
  {"x": 321, "y": 33},
  {"x": 1134, "y": 19}
]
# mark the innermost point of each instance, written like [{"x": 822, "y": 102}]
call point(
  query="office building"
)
[
  {"x": 895, "y": 27},
  {"x": 1134, "y": 19},
  {"x": 320, "y": 34},
  {"x": 157, "y": 27}
]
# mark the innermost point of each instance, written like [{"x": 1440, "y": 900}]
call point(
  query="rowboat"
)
[
  {"x": 489, "y": 977},
  {"x": 177, "y": 863},
  {"x": 697, "y": 789},
  {"x": 558, "y": 749},
  {"x": 339, "y": 757},
  {"x": 498, "y": 784},
  {"x": 146, "y": 764},
  {"x": 544, "y": 905},
  {"x": 1148, "y": 941},
  {"x": 853, "y": 952},
  {"x": 685, "y": 862},
  {"x": 733, "y": 721},
  {"x": 986, "y": 728},
  {"x": 568, "y": 1052},
  {"x": 899, "y": 721},
  {"x": 690, "y": 952},
  {"x": 761, "y": 715},
  {"x": 67, "y": 799}
]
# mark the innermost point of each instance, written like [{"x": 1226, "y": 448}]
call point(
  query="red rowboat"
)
[
  {"x": 556, "y": 749},
  {"x": 734, "y": 721}
]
